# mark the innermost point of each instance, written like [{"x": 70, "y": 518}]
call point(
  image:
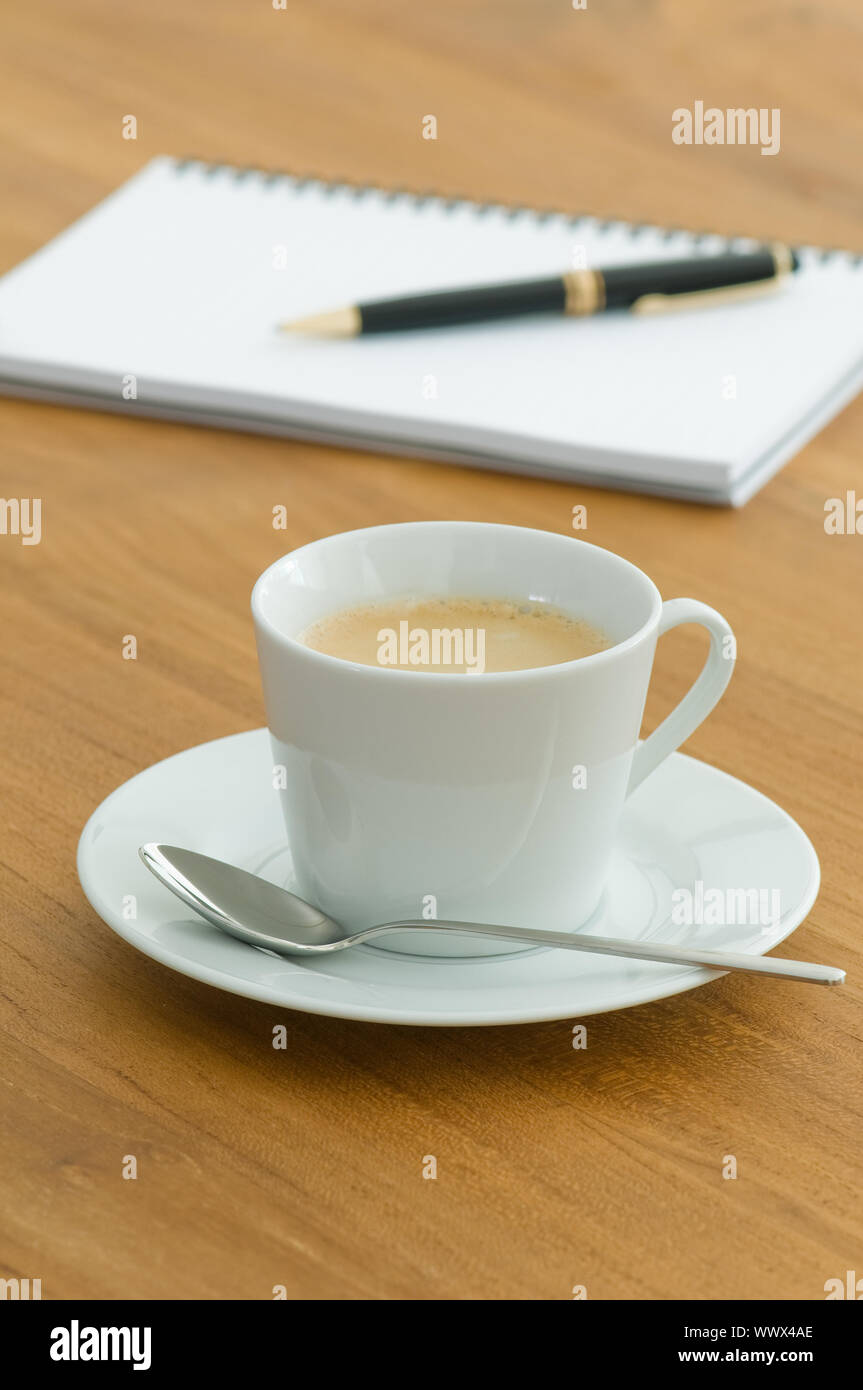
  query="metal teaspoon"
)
[{"x": 264, "y": 915}]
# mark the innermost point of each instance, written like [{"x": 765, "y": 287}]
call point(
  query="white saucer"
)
[{"x": 688, "y": 822}]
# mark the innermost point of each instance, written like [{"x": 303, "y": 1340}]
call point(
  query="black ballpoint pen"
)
[{"x": 639, "y": 288}]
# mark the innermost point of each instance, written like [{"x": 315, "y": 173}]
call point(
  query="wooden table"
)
[{"x": 303, "y": 1167}]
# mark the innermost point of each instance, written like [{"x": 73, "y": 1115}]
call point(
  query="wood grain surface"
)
[{"x": 303, "y": 1167}]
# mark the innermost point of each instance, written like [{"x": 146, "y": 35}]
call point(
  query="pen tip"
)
[{"x": 340, "y": 323}]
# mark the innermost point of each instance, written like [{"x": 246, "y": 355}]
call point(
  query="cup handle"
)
[{"x": 700, "y": 699}]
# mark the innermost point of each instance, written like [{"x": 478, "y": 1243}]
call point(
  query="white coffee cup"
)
[{"x": 489, "y": 798}]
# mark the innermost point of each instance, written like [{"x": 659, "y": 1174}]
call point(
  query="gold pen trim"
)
[
  {"x": 585, "y": 292},
  {"x": 703, "y": 299}
]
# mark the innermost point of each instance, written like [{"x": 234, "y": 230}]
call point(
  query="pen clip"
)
[{"x": 703, "y": 299}]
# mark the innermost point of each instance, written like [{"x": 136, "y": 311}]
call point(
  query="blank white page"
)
[{"x": 180, "y": 277}]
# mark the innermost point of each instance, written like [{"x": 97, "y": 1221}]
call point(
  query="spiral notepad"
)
[{"x": 164, "y": 301}]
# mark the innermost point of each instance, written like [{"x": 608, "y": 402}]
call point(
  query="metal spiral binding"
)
[{"x": 329, "y": 187}]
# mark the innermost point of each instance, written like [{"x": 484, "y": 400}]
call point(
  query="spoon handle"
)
[{"x": 639, "y": 950}]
